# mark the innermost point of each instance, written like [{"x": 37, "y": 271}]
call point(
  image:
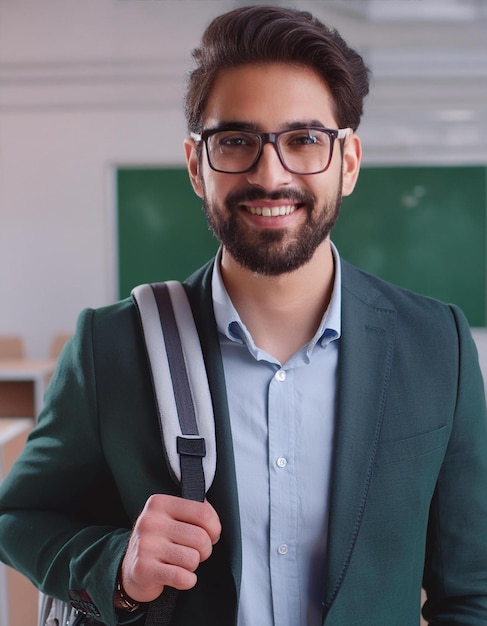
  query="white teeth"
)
[{"x": 274, "y": 211}]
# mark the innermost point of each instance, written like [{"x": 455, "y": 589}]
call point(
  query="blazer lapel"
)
[{"x": 367, "y": 344}]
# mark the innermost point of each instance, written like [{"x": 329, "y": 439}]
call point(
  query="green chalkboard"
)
[
  {"x": 162, "y": 231},
  {"x": 423, "y": 228},
  {"x": 420, "y": 227}
]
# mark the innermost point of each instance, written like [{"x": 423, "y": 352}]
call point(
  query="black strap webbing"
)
[{"x": 179, "y": 377}]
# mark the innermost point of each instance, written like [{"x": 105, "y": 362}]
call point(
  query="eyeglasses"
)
[{"x": 306, "y": 150}]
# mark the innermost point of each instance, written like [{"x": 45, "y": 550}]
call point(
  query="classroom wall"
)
[
  {"x": 87, "y": 86},
  {"x": 84, "y": 86}
]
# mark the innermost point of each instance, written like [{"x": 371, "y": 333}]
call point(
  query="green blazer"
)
[{"x": 409, "y": 482}]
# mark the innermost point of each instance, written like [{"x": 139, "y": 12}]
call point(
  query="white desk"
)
[
  {"x": 18, "y": 596},
  {"x": 22, "y": 386}
]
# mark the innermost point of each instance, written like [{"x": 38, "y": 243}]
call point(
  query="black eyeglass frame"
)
[{"x": 272, "y": 138}]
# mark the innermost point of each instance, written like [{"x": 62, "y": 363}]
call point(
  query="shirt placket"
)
[{"x": 283, "y": 505}]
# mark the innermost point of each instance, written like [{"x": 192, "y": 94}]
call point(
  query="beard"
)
[{"x": 272, "y": 252}]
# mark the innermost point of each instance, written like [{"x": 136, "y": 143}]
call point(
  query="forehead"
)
[{"x": 269, "y": 96}]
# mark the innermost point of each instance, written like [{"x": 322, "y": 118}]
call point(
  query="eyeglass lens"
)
[{"x": 304, "y": 151}]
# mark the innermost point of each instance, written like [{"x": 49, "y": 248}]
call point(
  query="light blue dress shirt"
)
[{"x": 282, "y": 419}]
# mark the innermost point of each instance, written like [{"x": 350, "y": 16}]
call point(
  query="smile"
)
[{"x": 274, "y": 211}]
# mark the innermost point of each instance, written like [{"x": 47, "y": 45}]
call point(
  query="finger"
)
[
  {"x": 200, "y": 514},
  {"x": 180, "y": 556},
  {"x": 182, "y": 534},
  {"x": 146, "y": 582},
  {"x": 212, "y": 522},
  {"x": 154, "y": 531},
  {"x": 177, "y": 577}
]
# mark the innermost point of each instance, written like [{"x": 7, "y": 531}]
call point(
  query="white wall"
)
[
  {"x": 480, "y": 337},
  {"x": 86, "y": 85}
]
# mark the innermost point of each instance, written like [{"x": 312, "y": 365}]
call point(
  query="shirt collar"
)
[{"x": 229, "y": 323}]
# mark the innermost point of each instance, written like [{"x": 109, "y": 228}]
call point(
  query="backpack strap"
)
[
  {"x": 180, "y": 385},
  {"x": 183, "y": 402}
]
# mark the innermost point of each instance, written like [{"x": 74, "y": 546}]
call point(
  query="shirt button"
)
[
  {"x": 281, "y": 462},
  {"x": 282, "y": 549},
  {"x": 281, "y": 376}
]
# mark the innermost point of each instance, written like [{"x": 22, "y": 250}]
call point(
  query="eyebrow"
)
[{"x": 242, "y": 125}]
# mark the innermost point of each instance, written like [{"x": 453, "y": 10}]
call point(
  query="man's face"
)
[{"x": 269, "y": 220}]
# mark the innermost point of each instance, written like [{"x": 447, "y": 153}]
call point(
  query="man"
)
[{"x": 350, "y": 415}]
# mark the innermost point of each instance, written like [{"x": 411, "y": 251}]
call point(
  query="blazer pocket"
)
[{"x": 412, "y": 447}]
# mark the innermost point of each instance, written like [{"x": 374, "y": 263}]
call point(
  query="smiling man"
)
[{"x": 350, "y": 414}]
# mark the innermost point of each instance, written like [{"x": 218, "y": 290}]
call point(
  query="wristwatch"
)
[{"x": 122, "y": 601}]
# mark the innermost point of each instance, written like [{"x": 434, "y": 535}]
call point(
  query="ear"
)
[
  {"x": 352, "y": 156},
  {"x": 193, "y": 165}
]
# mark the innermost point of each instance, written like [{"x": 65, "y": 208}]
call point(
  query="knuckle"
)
[
  {"x": 198, "y": 536},
  {"x": 157, "y": 502},
  {"x": 210, "y": 520},
  {"x": 184, "y": 557},
  {"x": 152, "y": 502},
  {"x": 146, "y": 526},
  {"x": 144, "y": 521},
  {"x": 207, "y": 514},
  {"x": 182, "y": 579},
  {"x": 206, "y": 552},
  {"x": 192, "y": 560},
  {"x": 187, "y": 534}
]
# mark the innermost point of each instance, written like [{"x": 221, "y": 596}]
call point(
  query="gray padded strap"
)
[
  {"x": 190, "y": 446},
  {"x": 196, "y": 420}
]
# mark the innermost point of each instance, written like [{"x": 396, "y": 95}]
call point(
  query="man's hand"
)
[{"x": 171, "y": 537}]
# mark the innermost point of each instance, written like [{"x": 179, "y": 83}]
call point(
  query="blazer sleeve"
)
[
  {"x": 455, "y": 575},
  {"x": 62, "y": 523}
]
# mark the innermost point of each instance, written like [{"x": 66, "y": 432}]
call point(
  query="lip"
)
[{"x": 269, "y": 203}]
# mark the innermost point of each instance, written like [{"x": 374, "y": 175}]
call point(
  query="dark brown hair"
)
[{"x": 271, "y": 34}]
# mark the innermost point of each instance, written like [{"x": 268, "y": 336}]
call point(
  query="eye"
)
[
  {"x": 234, "y": 140},
  {"x": 304, "y": 138}
]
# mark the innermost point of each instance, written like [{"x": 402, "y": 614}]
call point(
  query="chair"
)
[
  {"x": 12, "y": 347},
  {"x": 57, "y": 344}
]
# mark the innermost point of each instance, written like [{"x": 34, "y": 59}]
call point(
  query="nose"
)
[{"x": 269, "y": 173}]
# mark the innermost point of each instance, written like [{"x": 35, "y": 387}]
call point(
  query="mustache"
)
[{"x": 241, "y": 196}]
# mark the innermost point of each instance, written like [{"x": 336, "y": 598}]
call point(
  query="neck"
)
[{"x": 282, "y": 313}]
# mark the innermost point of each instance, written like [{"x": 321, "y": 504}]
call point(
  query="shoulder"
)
[
  {"x": 418, "y": 320},
  {"x": 115, "y": 322},
  {"x": 118, "y": 323},
  {"x": 375, "y": 292},
  {"x": 432, "y": 334}
]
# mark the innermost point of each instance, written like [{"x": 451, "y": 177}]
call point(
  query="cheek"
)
[
  {"x": 216, "y": 186},
  {"x": 327, "y": 186}
]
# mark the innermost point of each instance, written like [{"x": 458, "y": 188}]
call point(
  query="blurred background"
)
[
  {"x": 94, "y": 196},
  {"x": 93, "y": 193}
]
